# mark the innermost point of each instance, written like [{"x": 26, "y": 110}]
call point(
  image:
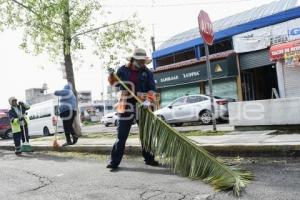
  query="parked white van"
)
[{"x": 43, "y": 118}]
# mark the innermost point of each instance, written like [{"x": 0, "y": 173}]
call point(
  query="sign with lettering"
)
[{"x": 220, "y": 69}]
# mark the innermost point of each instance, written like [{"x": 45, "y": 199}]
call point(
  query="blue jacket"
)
[
  {"x": 146, "y": 80},
  {"x": 68, "y": 100}
]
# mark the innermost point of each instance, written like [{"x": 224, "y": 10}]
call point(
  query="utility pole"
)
[
  {"x": 153, "y": 39},
  {"x": 153, "y": 43}
]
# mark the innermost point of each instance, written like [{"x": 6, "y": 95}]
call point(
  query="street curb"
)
[{"x": 218, "y": 150}]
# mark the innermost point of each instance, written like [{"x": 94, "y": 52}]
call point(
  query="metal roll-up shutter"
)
[
  {"x": 255, "y": 59},
  {"x": 291, "y": 81},
  {"x": 225, "y": 88},
  {"x": 168, "y": 95}
]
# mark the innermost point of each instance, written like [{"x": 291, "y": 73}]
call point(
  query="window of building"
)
[
  {"x": 177, "y": 57},
  {"x": 218, "y": 47},
  {"x": 186, "y": 55},
  {"x": 165, "y": 61}
]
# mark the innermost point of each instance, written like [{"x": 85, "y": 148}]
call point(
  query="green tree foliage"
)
[
  {"x": 57, "y": 27},
  {"x": 62, "y": 28}
]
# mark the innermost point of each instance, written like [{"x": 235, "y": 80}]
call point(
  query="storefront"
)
[
  {"x": 261, "y": 77},
  {"x": 187, "y": 80},
  {"x": 258, "y": 75},
  {"x": 287, "y": 57}
]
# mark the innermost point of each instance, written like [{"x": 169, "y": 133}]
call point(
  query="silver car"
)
[
  {"x": 110, "y": 119},
  {"x": 193, "y": 108}
]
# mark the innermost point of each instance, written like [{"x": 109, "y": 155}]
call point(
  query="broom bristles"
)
[
  {"x": 26, "y": 147},
  {"x": 55, "y": 143}
]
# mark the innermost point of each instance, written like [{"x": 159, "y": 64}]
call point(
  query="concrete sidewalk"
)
[{"x": 251, "y": 143}]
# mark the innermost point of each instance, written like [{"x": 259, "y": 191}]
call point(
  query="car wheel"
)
[
  {"x": 178, "y": 124},
  {"x": 162, "y": 117},
  {"x": 205, "y": 117},
  {"x": 116, "y": 123},
  {"x": 46, "y": 131},
  {"x": 8, "y": 134}
]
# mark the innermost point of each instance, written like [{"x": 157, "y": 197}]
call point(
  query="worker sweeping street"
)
[
  {"x": 19, "y": 123},
  {"x": 140, "y": 80},
  {"x": 68, "y": 112}
]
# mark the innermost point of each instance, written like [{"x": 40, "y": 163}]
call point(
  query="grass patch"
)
[
  {"x": 202, "y": 133},
  {"x": 86, "y": 123},
  {"x": 112, "y": 135}
]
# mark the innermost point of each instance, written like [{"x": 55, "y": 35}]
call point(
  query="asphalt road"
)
[{"x": 44, "y": 177}]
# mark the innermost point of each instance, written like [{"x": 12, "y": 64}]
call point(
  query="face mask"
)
[{"x": 137, "y": 65}]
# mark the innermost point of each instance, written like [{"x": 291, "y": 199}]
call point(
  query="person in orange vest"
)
[{"x": 140, "y": 80}]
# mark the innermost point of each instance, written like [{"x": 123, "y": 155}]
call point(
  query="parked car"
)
[
  {"x": 5, "y": 129},
  {"x": 44, "y": 118},
  {"x": 193, "y": 108},
  {"x": 110, "y": 119}
]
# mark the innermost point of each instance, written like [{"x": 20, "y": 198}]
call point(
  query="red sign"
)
[
  {"x": 205, "y": 27},
  {"x": 278, "y": 51}
]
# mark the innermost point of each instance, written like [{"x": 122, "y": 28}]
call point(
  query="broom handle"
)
[
  {"x": 23, "y": 124},
  {"x": 125, "y": 86}
]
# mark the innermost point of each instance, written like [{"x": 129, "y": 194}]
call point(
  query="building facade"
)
[{"x": 241, "y": 65}]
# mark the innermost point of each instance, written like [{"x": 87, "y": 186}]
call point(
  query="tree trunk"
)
[{"x": 67, "y": 40}]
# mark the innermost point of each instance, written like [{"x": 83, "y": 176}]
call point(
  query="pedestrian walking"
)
[{"x": 68, "y": 112}]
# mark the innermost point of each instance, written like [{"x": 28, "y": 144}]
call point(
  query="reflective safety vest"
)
[
  {"x": 150, "y": 96},
  {"x": 15, "y": 125}
]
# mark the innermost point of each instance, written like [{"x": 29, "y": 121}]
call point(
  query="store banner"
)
[
  {"x": 252, "y": 41},
  {"x": 219, "y": 69},
  {"x": 285, "y": 50},
  {"x": 263, "y": 38}
]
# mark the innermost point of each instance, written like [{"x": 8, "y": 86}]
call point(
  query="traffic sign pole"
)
[
  {"x": 210, "y": 87},
  {"x": 207, "y": 34}
]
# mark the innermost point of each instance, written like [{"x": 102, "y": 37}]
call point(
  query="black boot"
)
[
  {"x": 75, "y": 139},
  {"x": 69, "y": 141},
  {"x": 112, "y": 168},
  {"x": 152, "y": 163}
]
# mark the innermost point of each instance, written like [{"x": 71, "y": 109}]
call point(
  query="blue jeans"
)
[{"x": 124, "y": 124}]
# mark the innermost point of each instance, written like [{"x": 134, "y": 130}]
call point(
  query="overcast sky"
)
[{"x": 20, "y": 71}]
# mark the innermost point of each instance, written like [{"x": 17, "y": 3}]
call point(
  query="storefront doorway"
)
[{"x": 258, "y": 83}]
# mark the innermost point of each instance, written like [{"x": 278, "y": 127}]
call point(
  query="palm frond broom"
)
[{"x": 183, "y": 156}]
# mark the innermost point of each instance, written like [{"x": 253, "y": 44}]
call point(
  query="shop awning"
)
[{"x": 278, "y": 51}]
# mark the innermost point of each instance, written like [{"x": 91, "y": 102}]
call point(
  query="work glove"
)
[
  {"x": 110, "y": 71},
  {"x": 146, "y": 104}
]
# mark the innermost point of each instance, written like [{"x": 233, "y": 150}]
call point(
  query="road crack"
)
[{"x": 44, "y": 181}]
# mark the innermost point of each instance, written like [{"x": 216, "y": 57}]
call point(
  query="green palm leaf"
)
[
  {"x": 183, "y": 156},
  {"x": 186, "y": 158}
]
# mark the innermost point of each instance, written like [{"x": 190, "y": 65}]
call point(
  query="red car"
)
[{"x": 5, "y": 129}]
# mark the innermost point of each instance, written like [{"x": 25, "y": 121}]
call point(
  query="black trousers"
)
[
  {"x": 124, "y": 125},
  {"x": 20, "y": 136},
  {"x": 68, "y": 119}
]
